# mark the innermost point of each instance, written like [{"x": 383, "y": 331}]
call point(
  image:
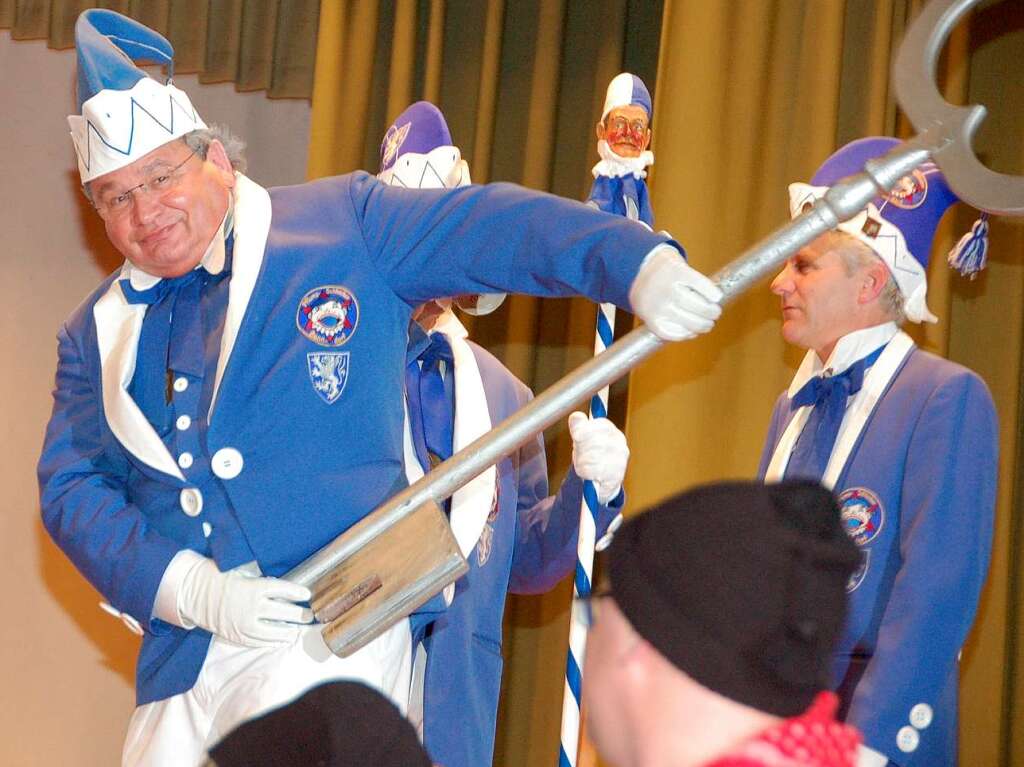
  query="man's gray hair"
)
[
  {"x": 856, "y": 256},
  {"x": 199, "y": 142}
]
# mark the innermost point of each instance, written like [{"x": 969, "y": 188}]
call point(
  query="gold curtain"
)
[
  {"x": 791, "y": 81},
  {"x": 256, "y": 44}
]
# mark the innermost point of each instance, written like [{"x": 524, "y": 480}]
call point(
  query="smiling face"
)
[
  {"x": 822, "y": 299},
  {"x": 165, "y": 231},
  {"x": 626, "y": 129}
]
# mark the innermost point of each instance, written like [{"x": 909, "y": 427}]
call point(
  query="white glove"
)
[
  {"x": 244, "y": 609},
  {"x": 672, "y": 298},
  {"x": 599, "y": 453}
]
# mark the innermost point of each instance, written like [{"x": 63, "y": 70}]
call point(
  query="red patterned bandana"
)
[{"x": 813, "y": 739}]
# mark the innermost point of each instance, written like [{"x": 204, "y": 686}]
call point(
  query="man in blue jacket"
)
[
  {"x": 906, "y": 439},
  {"x": 515, "y": 537},
  {"x": 231, "y": 399}
]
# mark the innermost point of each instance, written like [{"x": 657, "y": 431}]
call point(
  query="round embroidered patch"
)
[
  {"x": 861, "y": 514},
  {"x": 910, "y": 191},
  {"x": 328, "y": 315}
]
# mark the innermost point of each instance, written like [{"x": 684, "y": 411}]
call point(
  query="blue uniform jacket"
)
[
  {"x": 918, "y": 495},
  {"x": 623, "y": 195},
  {"x": 298, "y": 446},
  {"x": 528, "y": 545}
]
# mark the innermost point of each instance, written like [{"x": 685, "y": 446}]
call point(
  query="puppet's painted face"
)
[{"x": 627, "y": 131}]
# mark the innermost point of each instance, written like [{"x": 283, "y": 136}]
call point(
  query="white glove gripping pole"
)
[{"x": 243, "y": 608}]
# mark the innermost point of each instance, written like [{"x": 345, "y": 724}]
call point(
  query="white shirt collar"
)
[
  {"x": 449, "y": 324},
  {"x": 212, "y": 260},
  {"x": 850, "y": 348}
]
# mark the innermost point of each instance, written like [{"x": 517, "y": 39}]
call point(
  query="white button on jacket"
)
[
  {"x": 191, "y": 500},
  {"x": 227, "y": 463}
]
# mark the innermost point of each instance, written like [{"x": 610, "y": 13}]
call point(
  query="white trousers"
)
[{"x": 240, "y": 683}]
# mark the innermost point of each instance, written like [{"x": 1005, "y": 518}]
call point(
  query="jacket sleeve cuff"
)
[{"x": 165, "y": 606}]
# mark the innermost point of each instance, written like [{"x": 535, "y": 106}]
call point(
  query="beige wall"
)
[{"x": 67, "y": 667}]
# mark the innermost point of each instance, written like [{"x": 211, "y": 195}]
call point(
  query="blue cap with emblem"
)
[
  {"x": 417, "y": 151},
  {"x": 419, "y": 130},
  {"x": 124, "y": 113},
  {"x": 900, "y": 226}
]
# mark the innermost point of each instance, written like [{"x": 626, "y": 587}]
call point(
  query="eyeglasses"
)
[
  {"x": 621, "y": 124},
  {"x": 583, "y": 611},
  {"x": 113, "y": 205}
]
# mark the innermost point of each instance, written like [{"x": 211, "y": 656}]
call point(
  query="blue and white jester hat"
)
[
  {"x": 124, "y": 113},
  {"x": 417, "y": 151},
  {"x": 900, "y": 226},
  {"x": 626, "y": 90}
]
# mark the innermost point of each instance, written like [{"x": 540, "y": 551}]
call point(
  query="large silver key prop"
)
[{"x": 403, "y": 553}]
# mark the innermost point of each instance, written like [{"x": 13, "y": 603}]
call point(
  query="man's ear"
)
[
  {"x": 218, "y": 156},
  {"x": 637, "y": 655},
  {"x": 647, "y": 139},
  {"x": 599, "y": 129},
  {"x": 873, "y": 280}
]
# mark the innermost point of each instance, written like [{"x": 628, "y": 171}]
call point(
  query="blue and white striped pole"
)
[{"x": 572, "y": 694}]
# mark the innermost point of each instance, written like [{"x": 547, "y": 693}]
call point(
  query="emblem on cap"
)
[
  {"x": 328, "y": 372},
  {"x": 393, "y": 141},
  {"x": 910, "y": 191},
  {"x": 871, "y": 227},
  {"x": 861, "y": 514},
  {"x": 328, "y": 315}
]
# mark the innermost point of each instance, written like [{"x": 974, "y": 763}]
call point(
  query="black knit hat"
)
[
  {"x": 742, "y": 586},
  {"x": 335, "y": 724}
]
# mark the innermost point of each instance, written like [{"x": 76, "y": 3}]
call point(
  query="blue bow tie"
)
[
  {"x": 176, "y": 303},
  {"x": 823, "y": 389},
  {"x": 156, "y": 293},
  {"x": 828, "y": 396}
]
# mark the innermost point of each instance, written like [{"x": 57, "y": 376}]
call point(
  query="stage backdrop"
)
[
  {"x": 260, "y": 45},
  {"x": 749, "y": 95}
]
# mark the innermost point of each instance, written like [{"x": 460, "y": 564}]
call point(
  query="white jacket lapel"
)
[
  {"x": 118, "y": 324},
  {"x": 471, "y": 504},
  {"x": 251, "y": 226}
]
